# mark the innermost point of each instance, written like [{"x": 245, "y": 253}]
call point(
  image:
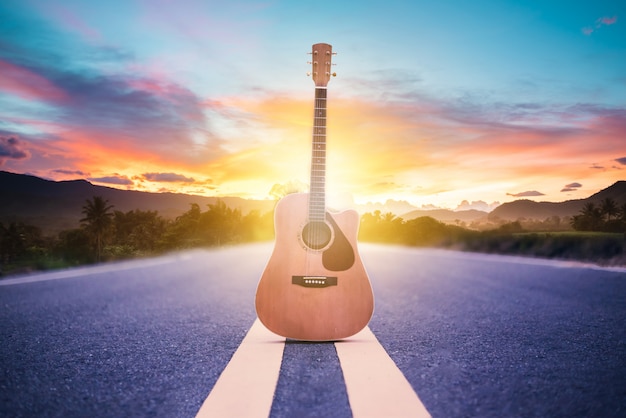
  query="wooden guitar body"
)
[{"x": 314, "y": 294}]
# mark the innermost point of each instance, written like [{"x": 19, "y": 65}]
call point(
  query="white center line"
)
[
  {"x": 375, "y": 385},
  {"x": 246, "y": 386}
]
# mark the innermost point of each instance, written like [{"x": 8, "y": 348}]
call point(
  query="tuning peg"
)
[
  {"x": 334, "y": 74},
  {"x": 308, "y": 74}
]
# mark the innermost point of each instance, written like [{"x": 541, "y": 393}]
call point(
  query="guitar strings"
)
[{"x": 317, "y": 230}]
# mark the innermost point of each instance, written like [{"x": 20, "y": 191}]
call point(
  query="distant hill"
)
[
  {"x": 57, "y": 205},
  {"x": 529, "y": 209},
  {"x": 446, "y": 215}
]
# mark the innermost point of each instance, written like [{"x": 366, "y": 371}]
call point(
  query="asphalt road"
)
[
  {"x": 475, "y": 335},
  {"x": 489, "y": 336}
]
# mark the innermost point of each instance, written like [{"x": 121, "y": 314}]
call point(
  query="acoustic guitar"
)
[{"x": 315, "y": 287}]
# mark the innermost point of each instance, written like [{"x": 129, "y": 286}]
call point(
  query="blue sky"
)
[{"x": 435, "y": 102}]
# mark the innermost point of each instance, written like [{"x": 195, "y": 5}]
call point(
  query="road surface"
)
[{"x": 473, "y": 335}]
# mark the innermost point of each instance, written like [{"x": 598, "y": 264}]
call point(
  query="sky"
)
[{"x": 450, "y": 104}]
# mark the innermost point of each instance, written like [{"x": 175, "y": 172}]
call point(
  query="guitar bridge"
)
[{"x": 314, "y": 281}]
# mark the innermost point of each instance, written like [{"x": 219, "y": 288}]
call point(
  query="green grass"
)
[
  {"x": 580, "y": 234},
  {"x": 597, "y": 247}
]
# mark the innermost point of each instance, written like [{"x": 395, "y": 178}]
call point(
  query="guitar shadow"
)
[{"x": 289, "y": 341}]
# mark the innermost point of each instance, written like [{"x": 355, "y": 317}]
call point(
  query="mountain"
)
[
  {"x": 57, "y": 205},
  {"x": 529, "y": 209},
  {"x": 446, "y": 215}
]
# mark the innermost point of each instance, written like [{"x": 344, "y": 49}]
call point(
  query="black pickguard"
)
[{"x": 340, "y": 255}]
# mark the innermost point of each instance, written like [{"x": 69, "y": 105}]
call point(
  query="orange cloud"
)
[
  {"x": 401, "y": 149},
  {"x": 427, "y": 153}
]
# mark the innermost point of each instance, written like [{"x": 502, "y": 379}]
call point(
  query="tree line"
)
[
  {"x": 108, "y": 234},
  {"x": 606, "y": 244},
  {"x": 608, "y": 216}
]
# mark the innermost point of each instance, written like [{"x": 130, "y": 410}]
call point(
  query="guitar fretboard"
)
[{"x": 317, "y": 194}]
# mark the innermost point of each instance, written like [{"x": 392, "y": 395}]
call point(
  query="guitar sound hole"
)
[{"x": 316, "y": 235}]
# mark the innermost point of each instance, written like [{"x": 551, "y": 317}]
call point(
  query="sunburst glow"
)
[{"x": 444, "y": 105}]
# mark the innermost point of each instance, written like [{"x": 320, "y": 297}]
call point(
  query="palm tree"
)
[
  {"x": 97, "y": 221},
  {"x": 609, "y": 208},
  {"x": 589, "y": 219},
  {"x": 622, "y": 212}
]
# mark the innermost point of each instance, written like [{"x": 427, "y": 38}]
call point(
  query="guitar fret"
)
[{"x": 317, "y": 195}]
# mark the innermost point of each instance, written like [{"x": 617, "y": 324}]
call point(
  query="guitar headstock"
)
[{"x": 321, "y": 63}]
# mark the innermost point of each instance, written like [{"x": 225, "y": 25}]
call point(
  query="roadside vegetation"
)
[
  {"x": 106, "y": 234},
  {"x": 597, "y": 234}
]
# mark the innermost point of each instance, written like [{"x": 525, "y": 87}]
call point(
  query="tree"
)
[
  {"x": 379, "y": 227},
  {"x": 73, "y": 246},
  {"x": 19, "y": 241},
  {"x": 97, "y": 221},
  {"x": 220, "y": 223},
  {"x": 138, "y": 230},
  {"x": 184, "y": 232},
  {"x": 622, "y": 213},
  {"x": 257, "y": 227},
  {"x": 609, "y": 208},
  {"x": 425, "y": 231},
  {"x": 589, "y": 219}
]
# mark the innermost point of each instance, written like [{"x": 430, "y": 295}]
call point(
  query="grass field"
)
[{"x": 598, "y": 247}]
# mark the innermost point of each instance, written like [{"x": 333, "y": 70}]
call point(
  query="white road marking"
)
[
  {"x": 246, "y": 386},
  {"x": 375, "y": 385}
]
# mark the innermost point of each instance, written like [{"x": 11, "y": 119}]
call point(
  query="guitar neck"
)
[{"x": 317, "y": 196}]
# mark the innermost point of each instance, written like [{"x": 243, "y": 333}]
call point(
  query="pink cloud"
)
[
  {"x": 587, "y": 30},
  {"x": 27, "y": 84},
  {"x": 601, "y": 21},
  {"x": 607, "y": 20}
]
